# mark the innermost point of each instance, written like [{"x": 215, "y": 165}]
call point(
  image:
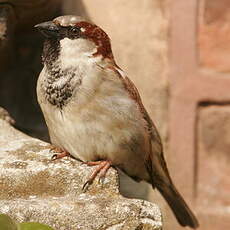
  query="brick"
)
[
  {"x": 213, "y": 183},
  {"x": 214, "y": 35}
]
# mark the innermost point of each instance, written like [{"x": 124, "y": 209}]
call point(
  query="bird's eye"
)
[{"x": 75, "y": 30}]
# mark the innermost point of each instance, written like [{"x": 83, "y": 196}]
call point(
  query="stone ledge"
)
[
  {"x": 85, "y": 212},
  {"x": 34, "y": 188}
]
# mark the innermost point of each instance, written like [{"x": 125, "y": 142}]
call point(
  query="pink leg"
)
[
  {"x": 102, "y": 168},
  {"x": 92, "y": 163},
  {"x": 60, "y": 153}
]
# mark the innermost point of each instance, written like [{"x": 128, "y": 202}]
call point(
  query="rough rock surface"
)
[{"x": 34, "y": 188}]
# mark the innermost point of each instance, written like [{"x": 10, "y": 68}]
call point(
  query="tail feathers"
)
[{"x": 179, "y": 207}]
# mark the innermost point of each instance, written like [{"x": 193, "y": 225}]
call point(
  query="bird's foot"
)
[
  {"x": 102, "y": 169},
  {"x": 60, "y": 153}
]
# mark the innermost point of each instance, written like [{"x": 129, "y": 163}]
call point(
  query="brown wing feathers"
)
[{"x": 156, "y": 165}]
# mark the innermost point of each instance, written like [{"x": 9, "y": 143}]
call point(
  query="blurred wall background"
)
[{"x": 177, "y": 54}]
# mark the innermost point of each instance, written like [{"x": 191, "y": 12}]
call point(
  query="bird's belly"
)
[{"x": 96, "y": 135}]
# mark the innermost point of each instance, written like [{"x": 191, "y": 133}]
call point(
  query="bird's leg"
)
[
  {"x": 103, "y": 172},
  {"x": 102, "y": 169},
  {"x": 92, "y": 163},
  {"x": 60, "y": 153}
]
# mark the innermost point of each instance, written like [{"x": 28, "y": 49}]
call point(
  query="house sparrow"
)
[{"x": 94, "y": 112}]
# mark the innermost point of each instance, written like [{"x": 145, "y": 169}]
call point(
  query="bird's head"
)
[{"x": 74, "y": 37}]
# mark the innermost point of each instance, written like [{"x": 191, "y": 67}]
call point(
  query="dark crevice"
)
[{"x": 210, "y": 103}]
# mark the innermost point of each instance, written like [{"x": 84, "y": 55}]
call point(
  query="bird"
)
[{"x": 94, "y": 112}]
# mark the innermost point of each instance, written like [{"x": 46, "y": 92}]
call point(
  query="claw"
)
[
  {"x": 86, "y": 185},
  {"x": 60, "y": 153},
  {"x": 54, "y": 157}
]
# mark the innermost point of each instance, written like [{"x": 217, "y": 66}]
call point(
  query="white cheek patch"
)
[{"x": 74, "y": 51}]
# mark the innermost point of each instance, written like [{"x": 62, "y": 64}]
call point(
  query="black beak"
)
[{"x": 48, "y": 29}]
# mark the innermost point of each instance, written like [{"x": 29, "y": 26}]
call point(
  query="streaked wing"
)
[{"x": 155, "y": 154}]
